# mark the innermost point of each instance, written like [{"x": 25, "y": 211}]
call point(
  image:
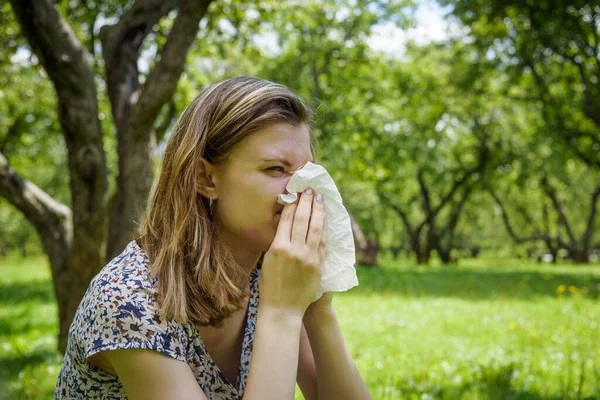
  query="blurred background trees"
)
[{"x": 487, "y": 140}]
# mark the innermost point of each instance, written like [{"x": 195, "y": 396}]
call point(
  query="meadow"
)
[{"x": 487, "y": 328}]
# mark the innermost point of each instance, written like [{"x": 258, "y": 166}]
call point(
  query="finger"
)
[
  {"x": 315, "y": 229},
  {"x": 302, "y": 218},
  {"x": 284, "y": 229},
  {"x": 325, "y": 234},
  {"x": 323, "y": 241}
]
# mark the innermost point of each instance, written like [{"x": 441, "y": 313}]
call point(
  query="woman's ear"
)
[{"x": 206, "y": 182}]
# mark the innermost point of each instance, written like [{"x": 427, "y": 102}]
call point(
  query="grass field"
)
[{"x": 485, "y": 329}]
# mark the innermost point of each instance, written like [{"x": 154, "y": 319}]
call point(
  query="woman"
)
[{"x": 176, "y": 315}]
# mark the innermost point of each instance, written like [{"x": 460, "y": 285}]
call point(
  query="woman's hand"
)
[
  {"x": 324, "y": 305},
  {"x": 293, "y": 266}
]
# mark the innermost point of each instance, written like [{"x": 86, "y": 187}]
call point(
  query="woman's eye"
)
[{"x": 280, "y": 169}]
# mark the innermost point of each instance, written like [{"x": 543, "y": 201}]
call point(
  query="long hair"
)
[{"x": 198, "y": 279}]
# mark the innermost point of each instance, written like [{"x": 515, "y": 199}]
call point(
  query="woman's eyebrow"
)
[{"x": 281, "y": 160}]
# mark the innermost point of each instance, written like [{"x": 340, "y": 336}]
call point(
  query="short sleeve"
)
[{"x": 120, "y": 311}]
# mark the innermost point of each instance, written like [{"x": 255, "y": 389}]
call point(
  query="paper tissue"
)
[{"x": 339, "y": 274}]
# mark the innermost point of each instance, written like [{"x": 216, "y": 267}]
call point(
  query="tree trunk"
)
[
  {"x": 65, "y": 60},
  {"x": 395, "y": 251},
  {"x": 444, "y": 255},
  {"x": 53, "y": 222},
  {"x": 134, "y": 182},
  {"x": 78, "y": 253},
  {"x": 422, "y": 256},
  {"x": 422, "y": 252},
  {"x": 135, "y": 109},
  {"x": 369, "y": 255},
  {"x": 553, "y": 251},
  {"x": 578, "y": 256},
  {"x": 366, "y": 253}
]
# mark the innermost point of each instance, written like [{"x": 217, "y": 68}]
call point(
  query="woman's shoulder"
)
[
  {"x": 123, "y": 288},
  {"x": 129, "y": 270},
  {"x": 120, "y": 310}
]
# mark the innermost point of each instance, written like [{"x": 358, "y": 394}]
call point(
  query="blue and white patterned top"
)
[{"x": 119, "y": 311}]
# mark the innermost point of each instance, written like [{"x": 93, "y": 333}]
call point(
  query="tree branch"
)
[
  {"x": 60, "y": 52},
  {"x": 483, "y": 160},
  {"x": 162, "y": 80},
  {"x": 425, "y": 193},
  {"x": 51, "y": 219},
  {"x": 64, "y": 59},
  {"x": 529, "y": 219},
  {"x": 455, "y": 214},
  {"x": 121, "y": 44},
  {"x": 596, "y": 44},
  {"x": 569, "y": 134},
  {"x": 588, "y": 103},
  {"x": 383, "y": 198},
  {"x": 508, "y": 225},
  {"x": 405, "y": 220},
  {"x": 551, "y": 192},
  {"x": 589, "y": 231}
]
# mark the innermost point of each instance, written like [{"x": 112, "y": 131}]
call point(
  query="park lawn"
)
[{"x": 487, "y": 328}]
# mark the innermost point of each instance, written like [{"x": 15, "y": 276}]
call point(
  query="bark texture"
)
[{"x": 77, "y": 241}]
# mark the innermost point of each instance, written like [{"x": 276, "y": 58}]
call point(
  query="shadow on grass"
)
[
  {"x": 20, "y": 292},
  {"x": 19, "y": 299},
  {"x": 22, "y": 322},
  {"x": 453, "y": 281},
  {"x": 12, "y": 365},
  {"x": 509, "y": 394},
  {"x": 491, "y": 383},
  {"x": 15, "y": 323}
]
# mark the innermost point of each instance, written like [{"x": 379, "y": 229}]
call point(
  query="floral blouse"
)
[{"x": 119, "y": 311}]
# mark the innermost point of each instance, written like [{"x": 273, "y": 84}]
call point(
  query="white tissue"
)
[{"x": 339, "y": 273}]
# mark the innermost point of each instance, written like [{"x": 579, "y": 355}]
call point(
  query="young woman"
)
[{"x": 177, "y": 315}]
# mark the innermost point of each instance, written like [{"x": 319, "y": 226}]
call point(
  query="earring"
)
[{"x": 210, "y": 210}]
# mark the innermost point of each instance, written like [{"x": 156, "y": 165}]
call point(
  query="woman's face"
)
[{"x": 259, "y": 169}]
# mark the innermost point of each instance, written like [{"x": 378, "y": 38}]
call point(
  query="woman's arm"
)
[
  {"x": 337, "y": 375},
  {"x": 149, "y": 375},
  {"x": 274, "y": 362}
]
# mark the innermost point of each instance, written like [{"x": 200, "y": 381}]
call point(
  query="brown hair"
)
[{"x": 198, "y": 279}]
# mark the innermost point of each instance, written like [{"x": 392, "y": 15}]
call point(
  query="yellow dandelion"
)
[
  {"x": 533, "y": 333},
  {"x": 512, "y": 326},
  {"x": 572, "y": 289},
  {"x": 561, "y": 288}
]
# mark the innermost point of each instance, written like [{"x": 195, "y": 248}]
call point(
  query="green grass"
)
[
  {"x": 29, "y": 362},
  {"x": 486, "y": 329}
]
